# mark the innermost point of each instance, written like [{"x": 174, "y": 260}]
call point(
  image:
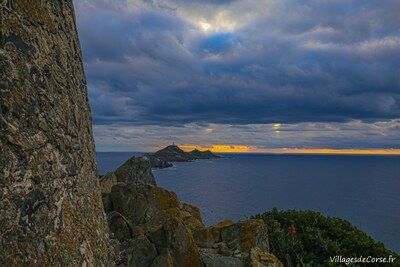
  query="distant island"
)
[{"x": 172, "y": 153}]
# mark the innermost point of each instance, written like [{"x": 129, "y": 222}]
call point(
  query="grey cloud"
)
[{"x": 295, "y": 62}]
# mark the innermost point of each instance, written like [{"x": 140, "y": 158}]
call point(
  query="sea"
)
[{"x": 363, "y": 189}]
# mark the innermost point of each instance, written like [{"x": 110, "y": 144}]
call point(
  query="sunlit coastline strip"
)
[{"x": 221, "y": 148}]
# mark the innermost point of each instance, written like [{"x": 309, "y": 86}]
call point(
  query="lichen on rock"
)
[{"x": 50, "y": 204}]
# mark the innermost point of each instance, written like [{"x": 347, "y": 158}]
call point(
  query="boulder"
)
[
  {"x": 141, "y": 203},
  {"x": 174, "y": 236},
  {"x": 164, "y": 259},
  {"x": 260, "y": 258},
  {"x": 216, "y": 260},
  {"x": 119, "y": 226},
  {"x": 245, "y": 235},
  {"x": 135, "y": 171},
  {"x": 139, "y": 251},
  {"x": 162, "y": 218},
  {"x": 191, "y": 216},
  {"x": 207, "y": 237}
]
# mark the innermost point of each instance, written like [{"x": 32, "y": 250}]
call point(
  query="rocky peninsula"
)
[{"x": 172, "y": 153}]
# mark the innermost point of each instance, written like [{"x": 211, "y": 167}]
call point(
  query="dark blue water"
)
[{"x": 362, "y": 189}]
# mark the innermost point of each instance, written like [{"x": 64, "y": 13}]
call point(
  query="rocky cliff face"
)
[
  {"x": 50, "y": 203},
  {"x": 150, "y": 227}
]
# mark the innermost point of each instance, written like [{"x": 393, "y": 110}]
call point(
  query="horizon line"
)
[{"x": 241, "y": 149}]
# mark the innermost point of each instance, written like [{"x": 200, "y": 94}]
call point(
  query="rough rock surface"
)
[
  {"x": 151, "y": 227},
  {"x": 217, "y": 260},
  {"x": 50, "y": 203},
  {"x": 107, "y": 182},
  {"x": 228, "y": 243},
  {"x": 259, "y": 258},
  {"x": 156, "y": 215},
  {"x": 135, "y": 170}
]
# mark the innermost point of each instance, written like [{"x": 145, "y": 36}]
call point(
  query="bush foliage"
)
[{"x": 317, "y": 238}]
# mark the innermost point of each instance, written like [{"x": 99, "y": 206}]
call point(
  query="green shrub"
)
[{"x": 318, "y": 238}]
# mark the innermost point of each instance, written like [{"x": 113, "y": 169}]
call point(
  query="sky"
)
[{"x": 242, "y": 75}]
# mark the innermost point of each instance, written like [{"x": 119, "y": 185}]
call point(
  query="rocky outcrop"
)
[
  {"x": 151, "y": 227},
  {"x": 197, "y": 154},
  {"x": 259, "y": 258},
  {"x": 50, "y": 203},
  {"x": 135, "y": 170},
  {"x": 107, "y": 182},
  {"x": 235, "y": 244},
  {"x": 159, "y": 163},
  {"x": 172, "y": 153}
]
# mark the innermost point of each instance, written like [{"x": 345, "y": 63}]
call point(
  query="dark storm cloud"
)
[{"x": 302, "y": 61}]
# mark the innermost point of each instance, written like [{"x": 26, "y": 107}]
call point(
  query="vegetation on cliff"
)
[{"x": 307, "y": 237}]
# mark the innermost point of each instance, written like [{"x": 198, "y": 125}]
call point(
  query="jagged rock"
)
[
  {"x": 245, "y": 235},
  {"x": 107, "y": 204},
  {"x": 107, "y": 182},
  {"x": 232, "y": 240},
  {"x": 135, "y": 170},
  {"x": 119, "y": 226},
  {"x": 162, "y": 217},
  {"x": 163, "y": 260},
  {"x": 139, "y": 251},
  {"x": 140, "y": 203},
  {"x": 191, "y": 216},
  {"x": 207, "y": 237},
  {"x": 260, "y": 258},
  {"x": 216, "y": 260},
  {"x": 50, "y": 204},
  {"x": 177, "y": 238}
]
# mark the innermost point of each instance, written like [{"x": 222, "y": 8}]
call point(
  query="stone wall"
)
[{"x": 50, "y": 203}]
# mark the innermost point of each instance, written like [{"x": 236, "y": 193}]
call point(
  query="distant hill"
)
[{"x": 172, "y": 153}]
